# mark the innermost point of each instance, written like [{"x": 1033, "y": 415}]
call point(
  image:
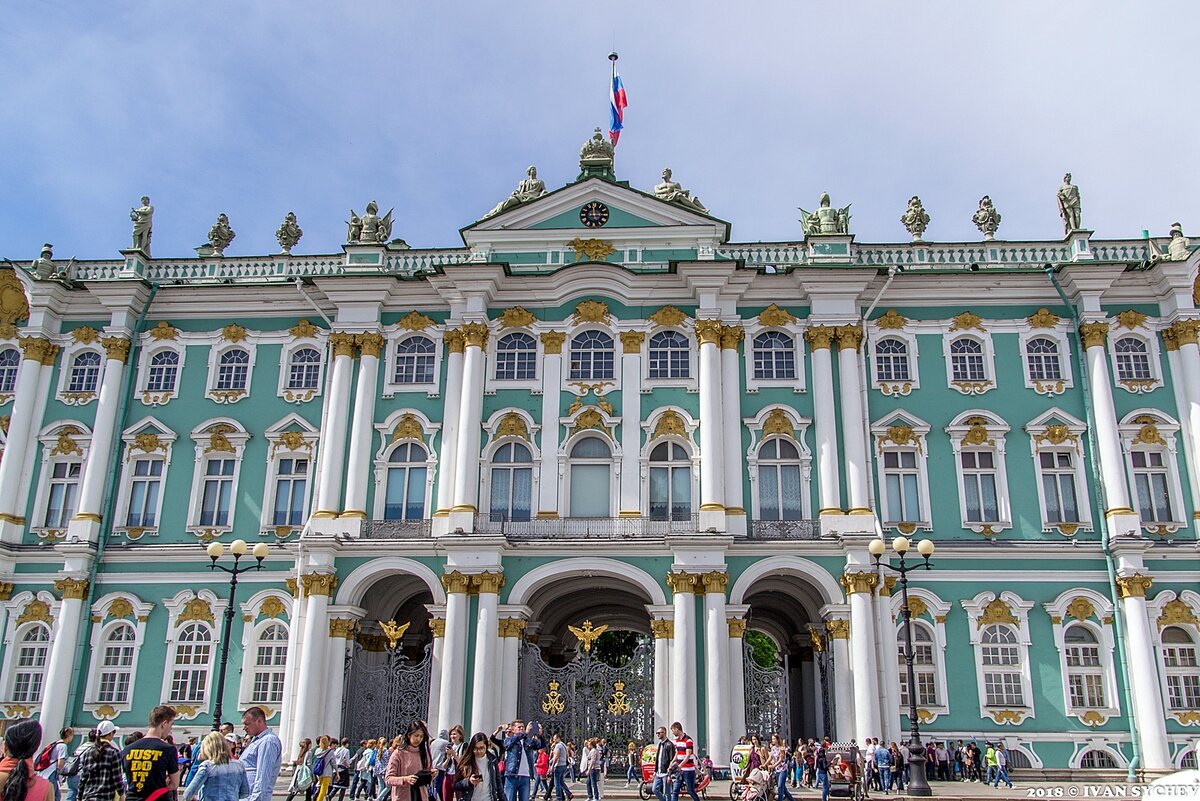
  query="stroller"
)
[{"x": 845, "y": 778}]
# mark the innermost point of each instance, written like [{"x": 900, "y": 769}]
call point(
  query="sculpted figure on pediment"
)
[
  {"x": 531, "y": 188},
  {"x": 671, "y": 192}
]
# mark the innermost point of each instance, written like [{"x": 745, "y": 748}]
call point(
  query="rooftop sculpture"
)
[
  {"x": 826, "y": 219},
  {"x": 671, "y": 192},
  {"x": 915, "y": 219},
  {"x": 531, "y": 188}
]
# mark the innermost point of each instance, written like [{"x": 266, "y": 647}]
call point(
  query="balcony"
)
[
  {"x": 397, "y": 529},
  {"x": 585, "y": 528},
  {"x": 776, "y": 530}
]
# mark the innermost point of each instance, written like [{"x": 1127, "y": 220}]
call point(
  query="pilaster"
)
[
  {"x": 631, "y": 422},
  {"x": 731, "y": 426},
  {"x": 552, "y": 345},
  {"x": 712, "y": 466},
  {"x": 849, "y": 339},
  {"x": 466, "y": 466},
  {"x": 1143, "y": 669},
  {"x": 820, "y": 339}
]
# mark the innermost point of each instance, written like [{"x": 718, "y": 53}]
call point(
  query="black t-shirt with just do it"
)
[{"x": 148, "y": 762}]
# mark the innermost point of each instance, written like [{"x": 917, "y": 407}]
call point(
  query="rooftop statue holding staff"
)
[
  {"x": 143, "y": 220},
  {"x": 1069, "y": 205},
  {"x": 531, "y": 188},
  {"x": 370, "y": 229},
  {"x": 671, "y": 192}
]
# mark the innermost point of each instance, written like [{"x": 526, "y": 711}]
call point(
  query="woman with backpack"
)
[
  {"x": 323, "y": 768},
  {"x": 219, "y": 777},
  {"x": 302, "y": 777},
  {"x": 18, "y": 780},
  {"x": 478, "y": 772}
]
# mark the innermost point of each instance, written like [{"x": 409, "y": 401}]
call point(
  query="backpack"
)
[
  {"x": 302, "y": 779},
  {"x": 46, "y": 758},
  {"x": 318, "y": 767},
  {"x": 71, "y": 765},
  {"x": 822, "y": 759}
]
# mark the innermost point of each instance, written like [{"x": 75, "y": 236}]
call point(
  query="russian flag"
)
[{"x": 617, "y": 104}]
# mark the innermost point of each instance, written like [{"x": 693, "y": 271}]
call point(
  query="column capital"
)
[
  {"x": 886, "y": 587},
  {"x": 1134, "y": 586},
  {"x": 631, "y": 341},
  {"x": 455, "y": 341},
  {"x": 370, "y": 343},
  {"x": 849, "y": 337},
  {"x": 1093, "y": 334},
  {"x": 820, "y": 337},
  {"x": 454, "y": 581},
  {"x": 552, "y": 341},
  {"x": 37, "y": 349},
  {"x": 1186, "y": 331},
  {"x": 293, "y": 586},
  {"x": 487, "y": 581},
  {"x": 1170, "y": 339},
  {"x": 342, "y": 627},
  {"x": 715, "y": 581},
  {"x": 708, "y": 332},
  {"x": 838, "y": 629},
  {"x": 737, "y": 627},
  {"x": 437, "y": 625},
  {"x": 318, "y": 584},
  {"x": 854, "y": 583},
  {"x": 476, "y": 334},
  {"x": 511, "y": 626},
  {"x": 732, "y": 336},
  {"x": 116, "y": 348},
  {"x": 682, "y": 582},
  {"x": 663, "y": 629},
  {"x": 73, "y": 588},
  {"x": 6, "y": 589},
  {"x": 342, "y": 344}
]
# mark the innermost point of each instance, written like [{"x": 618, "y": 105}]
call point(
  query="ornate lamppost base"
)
[{"x": 918, "y": 784}]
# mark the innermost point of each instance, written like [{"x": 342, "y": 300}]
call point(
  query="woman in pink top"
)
[{"x": 408, "y": 768}]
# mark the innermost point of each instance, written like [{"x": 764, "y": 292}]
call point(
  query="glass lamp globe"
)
[
  {"x": 900, "y": 545},
  {"x": 215, "y": 550},
  {"x": 925, "y": 548},
  {"x": 261, "y": 550},
  {"x": 877, "y": 547},
  {"x": 238, "y": 547}
]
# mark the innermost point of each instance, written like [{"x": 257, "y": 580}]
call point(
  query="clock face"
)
[{"x": 594, "y": 214}]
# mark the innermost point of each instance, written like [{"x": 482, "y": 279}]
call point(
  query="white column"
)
[
  {"x": 451, "y": 409},
  {"x": 466, "y": 466},
  {"x": 737, "y": 681},
  {"x": 716, "y": 664},
  {"x": 341, "y": 635},
  {"x": 311, "y": 685},
  {"x": 663, "y": 631},
  {"x": 1143, "y": 674},
  {"x": 485, "y": 705},
  {"x": 333, "y": 436},
  {"x": 362, "y": 429},
  {"x": 849, "y": 338},
  {"x": 1112, "y": 467},
  {"x": 511, "y": 630},
  {"x": 889, "y": 673},
  {"x": 454, "y": 652},
  {"x": 86, "y": 522},
  {"x": 287, "y": 714},
  {"x": 825, "y": 420},
  {"x": 712, "y": 465},
  {"x": 438, "y": 626},
  {"x": 731, "y": 409},
  {"x": 839, "y": 677},
  {"x": 860, "y": 587},
  {"x": 552, "y": 344},
  {"x": 35, "y": 353},
  {"x": 1187, "y": 357},
  {"x": 63, "y": 645},
  {"x": 683, "y": 667},
  {"x": 631, "y": 423}
]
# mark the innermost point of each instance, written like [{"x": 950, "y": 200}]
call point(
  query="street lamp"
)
[
  {"x": 918, "y": 784},
  {"x": 215, "y": 551}
]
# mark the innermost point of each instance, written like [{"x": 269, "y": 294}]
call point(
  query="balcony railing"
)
[
  {"x": 396, "y": 529},
  {"x": 594, "y": 528},
  {"x": 769, "y": 530}
]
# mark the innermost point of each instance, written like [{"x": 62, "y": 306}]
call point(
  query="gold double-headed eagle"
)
[{"x": 586, "y": 634}]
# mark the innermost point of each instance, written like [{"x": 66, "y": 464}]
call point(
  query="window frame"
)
[
  {"x": 6, "y": 395},
  {"x": 987, "y": 354},
  {"x": 881, "y": 436},
  {"x": 979, "y": 622},
  {"x": 149, "y": 349},
  {"x": 570, "y": 349},
  {"x": 16, "y": 646},
  {"x": 614, "y": 470},
  {"x": 70, "y": 353},
  {"x": 1042, "y": 431},
  {"x": 1156, "y": 607},
  {"x": 207, "y": 614},
  {"x": 51, "y": 456},
  {"x": 258, "y": 611},
  {"x": 778, "y": 419},
  {"x": 978, "y": 430},
  {"x": 205, "y": 449},
  {"x": 891, "y": 387},
  {"x": 136, "y": 619},
  {"x": 793, "y": 330},
  {"x": 690, "y": 381},
  {"x": 933, "y": 618},
  {"x": 161, "y": 448},
  {"x": 1152, "y": 431},
  {"x": 14, "y": 609},
  {"x": 397, "y": 336},
  {"x": 215, "y": 354},
  {"x": 493, "y": 348},
  {"x": 287, "y": 354},
  {"x": 690, "y": 462},
  {"x": 1136, "y": 386},
  {"x": 1059, "y": 336},
  {"x": 1064, "y": 613}
]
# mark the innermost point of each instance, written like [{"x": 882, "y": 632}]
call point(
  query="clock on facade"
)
[{"x": 594, "y": 214}]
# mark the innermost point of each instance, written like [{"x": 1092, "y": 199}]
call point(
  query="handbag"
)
[{"x": 424, "y": 777}]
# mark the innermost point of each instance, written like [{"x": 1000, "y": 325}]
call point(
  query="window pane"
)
[
  {"x": 590, "y": 490},
  {"x": 768, "y": 492}
]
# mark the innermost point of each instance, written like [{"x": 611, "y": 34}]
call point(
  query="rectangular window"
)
[
  {"x": 1150, "y": 477},
  {"x": 291, "y": 481},
  {"x": 115, "y": 674},
  {"x": 269, "y": 673},
  {"x": 216, "y": 492},
  {"x": 1003, "y": 689},
  {"x": 515, "y": 365},
  {"x": 143, "y": 493},
  {"x": 979, "y": 485},
  {"x": 1058, "y": 485},
  {"x": 63, "y": 494},
  {"x": 1183, "y": 691},
  {"x": 901, "y": 477}
]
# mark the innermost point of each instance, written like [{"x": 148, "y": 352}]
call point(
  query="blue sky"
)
[{"x": 259, "y": 108}]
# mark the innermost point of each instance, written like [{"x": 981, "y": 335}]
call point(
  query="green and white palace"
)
[{"x": 604, "y": 467}]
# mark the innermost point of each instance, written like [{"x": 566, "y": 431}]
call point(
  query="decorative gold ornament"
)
[
  {"x": 669, "y": 424},
  {"x": 553, "y": 703},
  {"x": 487, "y": 581},
  {"x": 977, "y": 434},
  {"x": 1149, "y": 435},
  {"x": 218, "y": 439},
  {"x": 1189, "y": 718},
  {"x": 591, "y": 311},
  {"x": 1170, "y": 340},
  {"x": 437, "y": 625},
  {"x": 778, "y": 422},
  {"x": 916, "y": 606},
  {"x": 773, "y": 317},
  {"x": 715, "y": 581},
  {"x": 73, "y": 588},
  {"x": 1187, "y": 332},
  {"x": 820, "y": 337},
  {"x": 85, "y": 334},
  {"x": 552, "y": 341},
  {"x": 370, "y": 343},
  {"x": 1134, "y": 586},
  {"x": 455, "y": 341},
  {"x": 1177, "y": 613},
  {"x": 665, "y": 629},
  {"x": 1005, "y": 716},
  {"x": 415, "y": 321},
  {"x": 517, "y": 317},
  {"x": 891, "y": 320},
  {"x": 1131, "y": 319},
  {"x": 849, "y": 337},
  {"x": 1081, "y": 608},
  {"x": 1055, "y": 434},
  {"x": 631, "y": 341},
  {"x": 304, "y": 330},
  {"x": 342, "y": 344},
  {"x": 233, "y": 333},
  {"x": 618, "y": 702},
  {"x": 966, "y": 321},
  {"x": 196, "y": 609},
  {"x": 5, "y": 419},
  {"x": 587, "y": 634},
  {"x": 149, "y": 442},
  {"x": 997, "y": 611},
  {"x": 116, "y": 348},
  {"x": 853, "y": 583},
  {"x": 589, "y": 418},
  {"x": 66, "y": 443},
  {"x": 737, "y": 627},
  {"x": 408, "y": 427},
  {"x": 732, "y": 336},
  {"x": 512, "y": 425},
  {"x": 901, "y": 435},
  {"x": 8, "y": 331},
  {"x": 291, "y": 441},
  {"x": 838, "y": 629},
  {"x": 342, "y": 628},
  {"x": 293, "y": 585},
  {"x": 816, "y": 640},
  {"x": 6, "y": 589},
  {"x": 14, "y": 306},
  {"x": 35, "y": 348},
  {"x": 164, "y": 331},
  {"x": 1043, "y": 318},
  {"x": 15, "y": 711},
  {"x": 1093, "y": 334},
  {"x": 272, "y": 607},
  {"x": 35, "y": 610},
  {"x": 594, "y": 249},
  {"x": 454, "y": 581},
  {"x": 668, "y": 316},
  {"x": 682, "y": 582},
  {"x": 708, "y": 332},
  {"x": 925, "y": 716},
  {"x": 318, "y": 584},
  {"x": 394, "y": 632},
  {"x": 888, "y": 584},
  {"x": 476, "y": 334}
]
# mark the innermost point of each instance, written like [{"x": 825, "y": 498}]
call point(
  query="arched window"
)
[
  {"x": 1085, "y": 675},
  {"x": 1042, "y": 357},
  {"x": 966, "y": 360},
  {"x": 304, "y": 369},
  {"x": 116, "y": 665},
  {"x": 591, "y": 476},
  {"x": 29, "y": 671},
  {"x": 511, "y": 482},
  {"x": 670, "y": 355},
  {"x": 414, "y": 361},
  {"x": 591, "y": 356},
  {"x": 1183, "y": 679},
  {"x": 233, "y": 369},
  {"x": 774, "y": 356},
  {"x": 780, "y": 490},
  {"x": 406, "y": 473},
  {"x": 163, "y": 372},
  {"x": 291, "y": 483},
  {"x": 1133, "y": 359},
  {"x": 85, "y": 372},
  {"x": 1152, "y": 479},
  {"x": 670, "y": 483},
  {"x": 1096, "y": 758},
  {"x": 1002, "y": 667},
  {"x": 1188, "y": 762},
  {"x": 10, "y": 360},
  {"x": 64, "y": 492},
  {"x": 270, "y": 661},
  {"x": 924, "y": 666},
  {"x": 193, "y": 654},
  {"x": 516, "y": 357},
  {"x": 891, "y": 360}
]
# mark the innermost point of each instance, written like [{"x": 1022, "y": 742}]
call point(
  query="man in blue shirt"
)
[
  {"x": 520, "y": 758},
  {"x": 262, "y": 756}
]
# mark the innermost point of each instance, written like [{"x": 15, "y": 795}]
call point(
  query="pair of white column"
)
[
  {"x": 716, "y": 650},
  {"x": 860, "y": 587},
  {"x": 362, "y": 426},
  {"x": 1183, "y": 355},
  {"x": 1143, "y": 673},
  {"x": 466, "y": 463},
  {"x": 313, "y": 680},
  {"x": 332, "y": 456},
  {"x": 820, "y": 343},
  {"x": 37, "y": 359},
  {"x": 631, "y": 419},
  {"x": 712, "y": 438}
]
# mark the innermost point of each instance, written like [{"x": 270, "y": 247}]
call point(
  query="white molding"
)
[
  {"x": 1168, "y": 429},
  {"x": 540, "y": 576},
  {"x": 14, "y": 631},
  {"x": 100, "y": 631},
  {"x": 491, "y": 382},
  {"x": 610, "y": 423},
  {"x": 166, "y": 437},
  {"x": 692, "y": 382},
  {"x": 1076, "y": 428},
  {"x": 794, "y": 330},
  {"x": 48, "y": 438},
  {"x": 394, "y": 335},
  {"x": 493, "y": 443},
  {"x": 1020, "y": 610},
  {"x": 67, "y": 363},
  {"x": 935, "y": 620},
  {"x": 687, "y": 442},
  {"x": 277, "y": 451},
  {"x": 573, "y": 384},
  {"x": 429, "y": 432},
  {"x": 175, "y": 606},
  {"x": 997, "y": 429},
  {"x": 800, "y": 425},
  {"x": 1154, "y": 608},
  {"x": 286, "y": 354},
  {"x": 354, "y": 588},
  {"x": 218, "y": 349},
  {"x": 969, "y": 387},
  {"x": 1105, "y": 640},
  {"x": 1150, "y": 339},
  {"x": 919, "y": 446},
  {"x": 1060, "y": 336},
  {"x": 148, "y": 349},
  {"x": 893, "y": 387},
  {"x": 200, "y": 436}
]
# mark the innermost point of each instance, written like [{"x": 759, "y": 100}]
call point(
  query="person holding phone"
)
[
  {"x": 408, "y": 771},
  {"x": 520, "y": 759},
  {"x": 478, "y": 772}
]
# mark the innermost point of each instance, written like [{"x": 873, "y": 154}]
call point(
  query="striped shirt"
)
[{"x": 685, "y": 749}]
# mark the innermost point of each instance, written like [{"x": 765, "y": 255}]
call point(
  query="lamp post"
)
[
  {"x": 215, "y": 551},
  {"x": 918, "y": 784}
]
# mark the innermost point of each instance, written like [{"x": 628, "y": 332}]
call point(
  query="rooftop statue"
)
[
  {"x": 915, "y": 219},
  {"x": 529, "y": 189},
  {"x": 143, "y": 220},
  {"x": 826, "y": 219},
  {"x": 43, "y": 265},
  {"x": 986, "y": 219},
  {"x": 370, "y": 229},
  {"x": 596, "y": 158},
  {"x": 289, "y": 233},
  {"x": 671, "y": 192},
  {"x": 220, "y": 236},
  {"x": 1069, "y": 207},
  {"x": 1178, "y": 248}
]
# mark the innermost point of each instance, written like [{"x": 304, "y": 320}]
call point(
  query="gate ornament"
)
[
  {"x": 619, "y": 703},
  {"x": 553, "y": 704},
  {"x": 393, "y": 632},
  {"x": 586, "y": 634}
]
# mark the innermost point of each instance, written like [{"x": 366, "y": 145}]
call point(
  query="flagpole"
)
[{"x": 613, "y": 58}]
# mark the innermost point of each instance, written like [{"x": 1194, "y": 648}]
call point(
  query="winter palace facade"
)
[{"x": 601, "y": 414}]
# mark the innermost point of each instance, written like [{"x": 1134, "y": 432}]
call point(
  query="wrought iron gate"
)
[
  {"x": 384, "y": 697},
  {"x": 768, "y": 707},
  {"x": 590, "y": 698}
]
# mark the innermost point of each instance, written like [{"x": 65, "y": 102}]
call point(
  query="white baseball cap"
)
[{"x": 106, "y": 728}]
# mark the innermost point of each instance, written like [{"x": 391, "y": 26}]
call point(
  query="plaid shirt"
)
[{"x": 101, "y": 776}]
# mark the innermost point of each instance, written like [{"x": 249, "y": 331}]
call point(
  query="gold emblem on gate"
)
[
  {"x": 619, "y": 703},
  {"x": 586, "y": 634},
  {"x": 553, "y": 703}
]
